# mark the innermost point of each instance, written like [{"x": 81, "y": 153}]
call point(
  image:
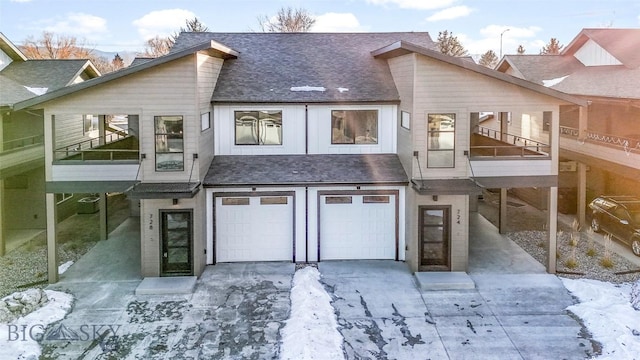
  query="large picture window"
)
[
  {"x": 354, "y": 126},
  {"x": 169, "y": 143},
  {"x": 262, "y": 127},
  {"x": 441, "y": 140}
]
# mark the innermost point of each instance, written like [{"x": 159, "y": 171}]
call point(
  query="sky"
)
[{"x": 117, "y": 25}]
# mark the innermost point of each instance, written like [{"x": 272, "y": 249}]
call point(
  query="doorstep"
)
[
  {"x": 441, "y": 280},
  {"x": 166, "y": 285}
]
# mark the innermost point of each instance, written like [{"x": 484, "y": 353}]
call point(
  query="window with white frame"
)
[
  {"x": 205, "y": 121},
  {"x": 354, "y": 126}
]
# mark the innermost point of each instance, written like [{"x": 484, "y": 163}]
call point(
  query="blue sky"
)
[{"x": 117, "y": 25}]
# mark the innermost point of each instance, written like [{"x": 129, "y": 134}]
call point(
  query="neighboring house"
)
[
  {"x": 599, "y": 144},
  {"x": 305, "y": 147},
  {"x": 22, "y": 204}
]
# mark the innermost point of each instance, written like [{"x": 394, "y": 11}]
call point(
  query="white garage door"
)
[
  {"x": 258, "y": 228},
  {"x": 357, "y": 227}
]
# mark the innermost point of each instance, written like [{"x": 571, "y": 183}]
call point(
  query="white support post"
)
[
  {"x": 502, "y": 212},
  {"x": 102, "y": 204},
  {"x": 582, "y": 194}
]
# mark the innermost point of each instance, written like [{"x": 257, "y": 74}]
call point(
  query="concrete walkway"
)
[{"x": 383, "y": 315}]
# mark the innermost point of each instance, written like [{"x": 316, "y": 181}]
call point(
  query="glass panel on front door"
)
[
  {"x": 176, "y": 243},
  {"x": 434, "y": 238}
]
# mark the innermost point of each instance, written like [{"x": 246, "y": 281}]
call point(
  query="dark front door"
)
[
  {"x": 435, "y": 238},
  {"x": 177, "y": 233}
]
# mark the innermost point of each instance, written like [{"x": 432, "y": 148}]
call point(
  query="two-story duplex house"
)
[
  {"x": 306, "y": 147},
  {"x": 599, "y": 143},
  {"x": 22, "y": 204}
]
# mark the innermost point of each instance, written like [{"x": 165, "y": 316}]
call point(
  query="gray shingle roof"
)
[
  {"x": 266, "y": 170},
  {"x": 50, "y": 74},
  {"x": 605, "y": 81},
  {"x": 623, "y": 44},
  {"x": 270, "y": 64}
]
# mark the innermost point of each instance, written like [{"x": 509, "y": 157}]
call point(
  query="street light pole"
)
[{"x": 502, "y": 33}]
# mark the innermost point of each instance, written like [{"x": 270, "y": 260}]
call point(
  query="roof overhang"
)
[
  {"x": 59, "y": 187},
  {"x": 164, "y": 190},
  {"x": 499, "y": 182},
  {"x": 446, "y": 187},
  {"x": 10, "y": 49},
  {"x": 211, "y": 47},
  {"x": 400, "y": 48}
]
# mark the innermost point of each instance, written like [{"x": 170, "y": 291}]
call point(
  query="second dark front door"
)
[
  {"x": 176, "y": 242},
  {"x": 435, "y": 238}
]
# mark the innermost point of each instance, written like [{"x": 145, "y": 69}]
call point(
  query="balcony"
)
[
  {"x": 492, "y": 144},
  {"x": 116, "y": 146},
  {"x": 614, "y": 148},
  {"x": 23, "y": 150}
]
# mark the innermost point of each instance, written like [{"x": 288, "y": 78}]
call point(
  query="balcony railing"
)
[
  {"x": 615, "y": 141},
  {"x": 18, "y": 144},
  {"x": 115, "y": 146},
  {"x": 507, "y": 145}
]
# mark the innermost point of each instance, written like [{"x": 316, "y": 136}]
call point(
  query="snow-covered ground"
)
[
  {"x": 311, "y": 331},
  {"x": 607, "y": 313},
  {"x": 18, "y": 337}
]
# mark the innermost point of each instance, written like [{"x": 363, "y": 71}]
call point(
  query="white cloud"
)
[
  {"x": 511, "y": 39},
  {"x": 337, "y": 22},
  {"x": 450, "y": 13},
  {"x": 414, "y": 4},
  {"x": 79, "y": 24},
  {"x": 162, "y": 22}
]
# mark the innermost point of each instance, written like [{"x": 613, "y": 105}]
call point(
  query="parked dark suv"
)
[{"x": 619, "y": 216}]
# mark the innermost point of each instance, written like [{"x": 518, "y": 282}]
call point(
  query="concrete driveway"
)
[
  {"x": 235, "y": 312},
  {"x": 383, "y": 315}
]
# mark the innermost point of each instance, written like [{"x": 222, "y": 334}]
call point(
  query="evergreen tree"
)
[
  {"x": 521, "y": 50},
  {"x": 489, "y": 59},
  {"x": 117, "y": 63},
  {"x": 552, "y": 48},
  {"x": 450, "y": 45}
]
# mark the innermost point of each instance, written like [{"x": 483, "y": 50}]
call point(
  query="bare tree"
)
[
  {"x": 52, "y": 46},
  {"x": 450, "y": 45},
  {"x": 159, "y": 46},
  {"x": 489, "y": 59},
  {"x": 287, "y": 20},
  {"x": 552, "y": 48},
  {"x": 521, "y": 50}
]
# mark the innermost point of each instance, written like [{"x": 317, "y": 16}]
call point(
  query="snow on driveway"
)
[{"x": 607, "y": 313}]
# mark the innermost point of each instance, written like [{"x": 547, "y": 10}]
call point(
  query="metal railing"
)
[
  {"x": 95, "y": 149},
  {"x": 21, "y": 143},
  {"x": 518, "y": 146},
  {"x": 615, "y": 141}
]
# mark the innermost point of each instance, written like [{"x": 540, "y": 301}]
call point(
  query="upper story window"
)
[
  {"x": 354, "y": 126},
  {"x": 263, "y": 127},
  {"x": 169, "y": 143},
  {"x": 441, "y": 140},
  {"x": 90, "y": 125}
]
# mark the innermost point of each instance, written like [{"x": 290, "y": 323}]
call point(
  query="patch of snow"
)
[
  {"x": 17, "y": 344},
  {"x": 341, "y": 89},
  {"x": 311, "y": 332},
  {"x": 308, "y": 88},
  {"x": 607, "y": 313},
  {"x": 64, "y": 267},
  {"x": 635, "y": 295},
  {"x": 37, "y": 90},
  {"x": 553, "y": 82}
]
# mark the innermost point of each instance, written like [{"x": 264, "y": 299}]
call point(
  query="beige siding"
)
[
  {"x": 445, "y": 88},
  {"x": 403, "y": 72},
  {"x": 207, "y": 73},
  {"x": 459, "y": 246},
  {"x": 166, "y": 89}
]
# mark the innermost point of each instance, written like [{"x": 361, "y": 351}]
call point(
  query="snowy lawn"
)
[
  {"x": 607, "y": 313},
  {"x": 18, "y": 338},
  {"x": 311, "y": 332}
]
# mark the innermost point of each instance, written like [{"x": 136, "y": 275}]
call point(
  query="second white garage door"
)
[
  {"x": 257, "y": 228},
  {"x": 357, "y": 227}
]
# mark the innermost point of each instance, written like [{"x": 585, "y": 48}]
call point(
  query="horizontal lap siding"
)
[
  {"x": 166, "y": 89},
  {"x": 403, "y": 71},
  {"x": 442, "y": 88},
  {"x": 208, "y": 71}
]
